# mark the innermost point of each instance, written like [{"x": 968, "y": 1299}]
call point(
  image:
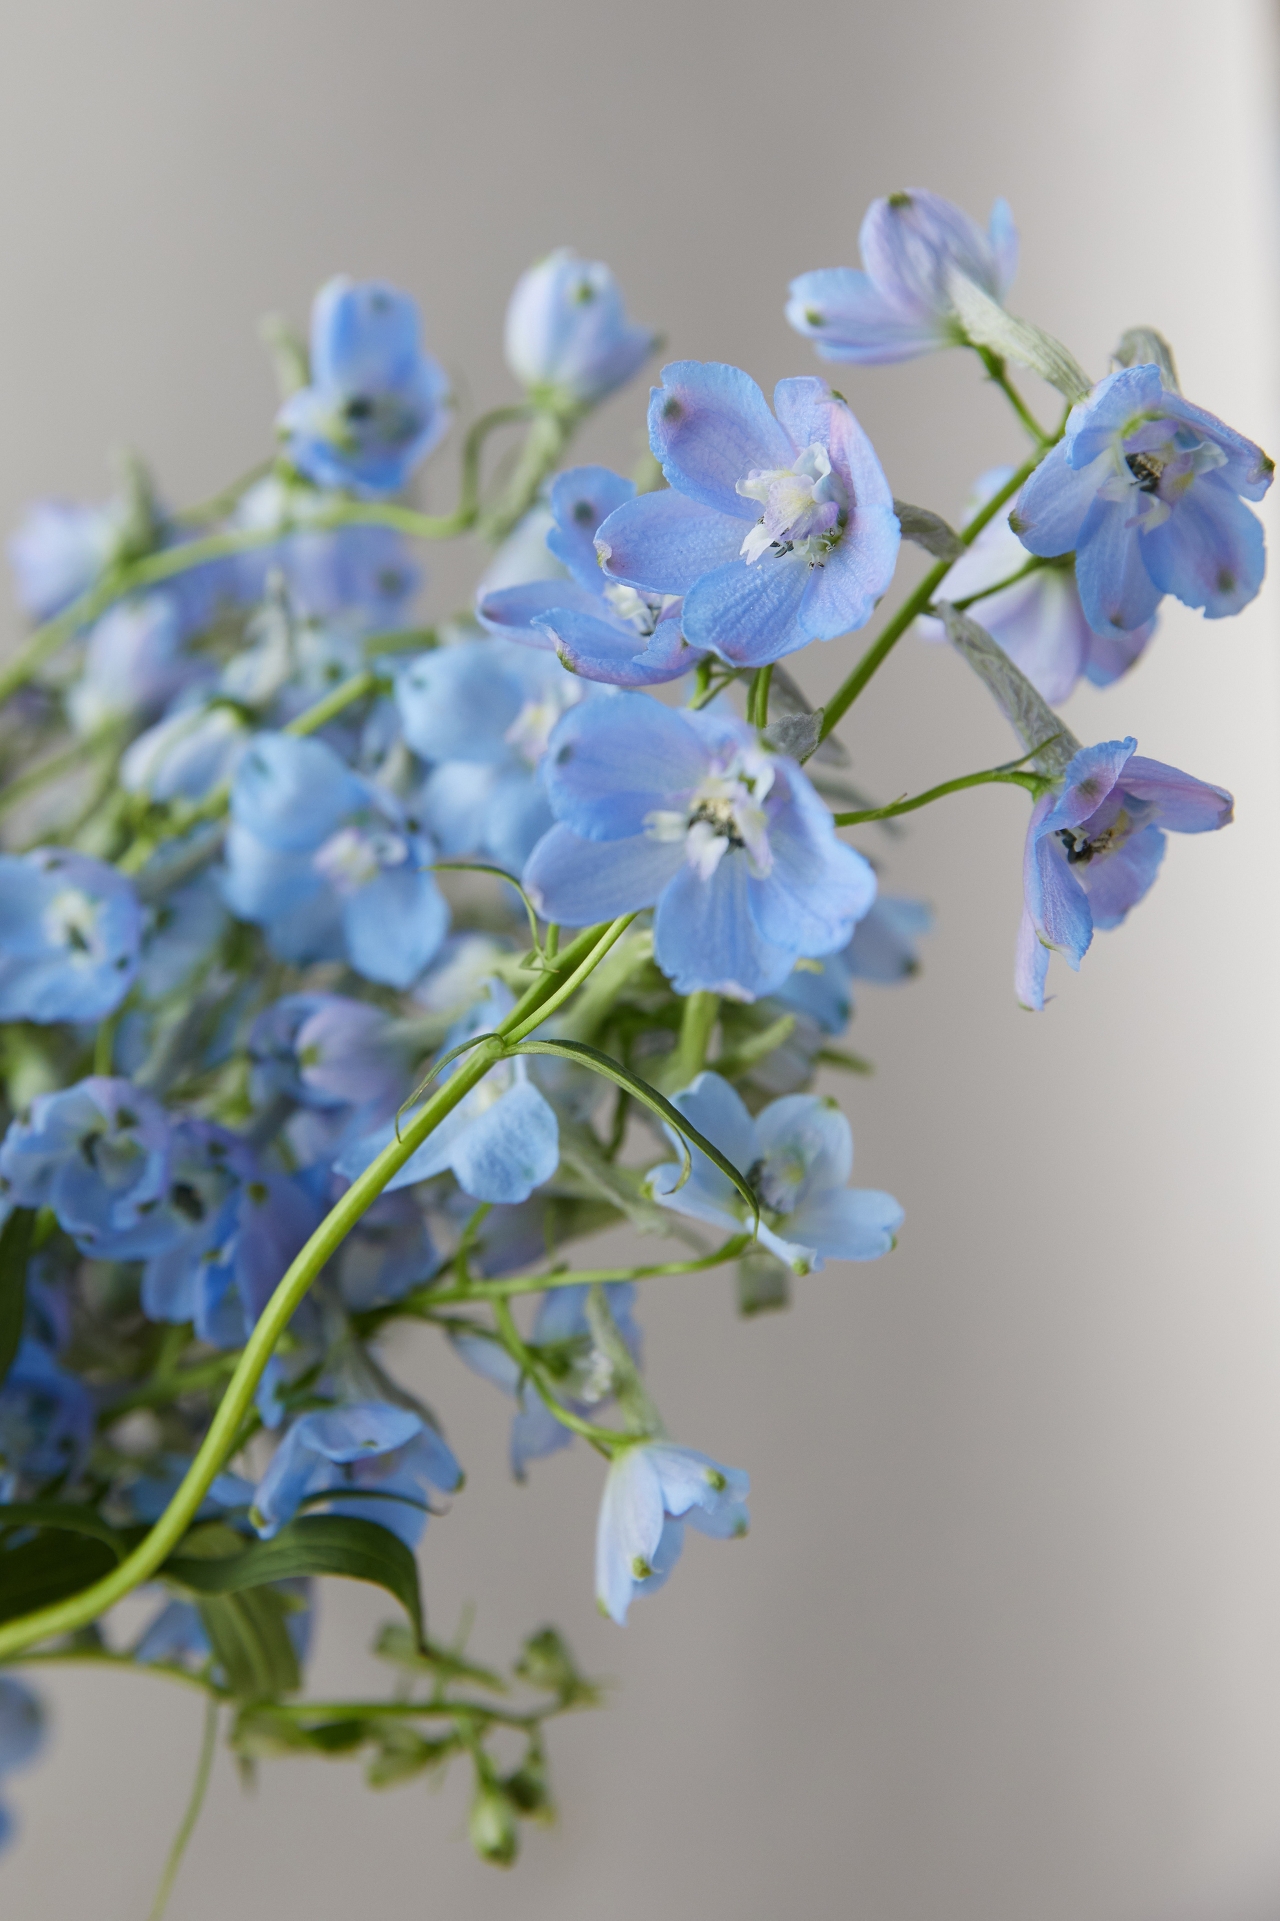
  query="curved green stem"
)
[
  {"x": 1034, "y": 784},
  {"x": 581, "y": 1277},
  {"x": 915, "y": 604},
  {"x": 63, "y": 1617},
  {"x": 1033, "y": 565},
  {"x": 998, "y": 374}
]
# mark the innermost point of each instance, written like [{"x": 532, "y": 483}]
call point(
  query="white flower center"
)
[
  {"x": 725, "y": 810},
  {"x": 643, "y": 611},
  {"x": 71, "y": 921},
  {"x": 802, "y": 503},
  {"x": 354, "y": 856}
]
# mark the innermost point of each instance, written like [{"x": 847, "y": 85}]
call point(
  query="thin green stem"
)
[
  {"x": 186, "y": 1827},
  {"x": 596, "y": 954},
  {"x": 603, "y": 1439},
  {"x": 915, "y": 604},
  {"x": 69, "y": 761},
  {"x": 998, "y": 374},
  {"x": 580, "y": 1277},
  {"x": 758, "y": 697},
  {"x": 1033, "y": 565},
  {"x": 381, "y": 1710},
  {"x": 221, "y": 1440},
  {"x": 698, "y": 1017},
  {"x": 1034, "y": 784},
  {"x": 221, "y": 504}
]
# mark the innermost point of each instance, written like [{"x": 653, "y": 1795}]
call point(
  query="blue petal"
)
[
  {"x": 1118, "y": 881},
  {"x": 292, "y": 793},
  {"x": 360, "y": 1429},
  {"x": 612, "y": 762},
  {"x": 1088, "y": 782},
  {"x": 1031, "y": 964},
  {"x": 616, "y": 655},
  {"x": 707, "y": 938},
  {"x": 458, "y": 702},
  {"x": 847, "y": 1224},
  {"x": 395, "y": 925},
  {"x": 512, "y": 611},
  {"x": 1051, "y": 510},
  {"x": 819, "y": 887},
  {"x": 805, "y": 1145},
  {"x": 847, "y": 318},
  {"x": 883, "y": 944},
  {"x": 629, "y": 1528},
  {"x": 750, "y": 614},
  {"x": 1211, "y": 552},
  {"x": 510, "y": 1149},
  {"x": 578, "y": 882},
  {"x": 664, "y": 542},
  {"x": 710, "y": 426},
  {"x": 909, "y": 241},
  {"x": 1186, "y": 805},
  {"x": 259, "y": 883},
  {"x": 580, "y": 500},
  {"x": 1116, "y": 590}
]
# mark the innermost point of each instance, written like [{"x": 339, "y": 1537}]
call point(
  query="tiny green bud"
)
[{"x": 494, "y": 1832}]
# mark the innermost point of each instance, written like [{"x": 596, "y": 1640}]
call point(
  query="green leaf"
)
[
  {"x": 71, "y": 1518},
  {"x": 315, "y": 1544},
  {"x": 764, "y": 1283},
  {"x": 928, "y": 530},
  {"x": 249, "y": 1635},
  {"x": 15, "y": 1247},
  {"x": 987, "y": 324},
  {"x": 648, "y": 1097},
  {"x": 1050, "y": 744},
  {"x": 48, "y": 1569}
]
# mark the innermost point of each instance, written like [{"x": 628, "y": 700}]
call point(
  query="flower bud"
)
[
  {"x": 492, "y": 1825},
  {"x": 568, "y": 336}
]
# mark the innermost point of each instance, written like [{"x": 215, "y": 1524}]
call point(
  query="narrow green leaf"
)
[
  {"x": 648, "y": 1097},
  {"x": 249, "y": 1635},
  {"x": 1049, "y": 742},
  {"x": 15, "y": 1248},
  {"x": 48, "y": 1569},
  {"x": 68, "y": 1516},
  {"x": 315, "y": 1544},
  {"x": 987, "y": 324}
]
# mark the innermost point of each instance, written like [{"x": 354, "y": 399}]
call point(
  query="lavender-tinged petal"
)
[
  {"x": 710, "y": 426},
  {"x": 1031, "y": 965},
  {"x": 1187, "y": 805},
  {"x": 1088, "y": 781},
  {"x": 1051, "y": 511},
  {"x": 617, "y": 656},
  {"x": 394, "y": 926},
  {"x": 513, "y": 611},
  {"x": 847, "y": 318},
  {"x": 847, "y": 1224},
  {"x": 1119, "y": 882},
  {"x": 1116, "y": 590},
  {"x": 1211, "y": 552},
  {"x": 580, "y": 500}
]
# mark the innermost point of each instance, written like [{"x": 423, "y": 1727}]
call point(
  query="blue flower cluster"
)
[{"x": 352, "y": 967}]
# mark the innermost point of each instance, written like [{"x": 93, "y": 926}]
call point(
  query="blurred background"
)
[{"x": 1005, "y": 1638}]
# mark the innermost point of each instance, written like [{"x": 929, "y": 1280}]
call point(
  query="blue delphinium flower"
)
[
  {"x": 1039, "y": 622},
  {"x": 179, "y": 933},
  {"x": 328, "y": 865},
  {"x": 598, "y": 627},
  {"x": 134, "y": 664},
  {"x": 481, "y": 712},
  {"x": 797, "y": 1154},
  {"x": 70, "y": 933},
  {"x": 500, "y": 1142},
  {"x": 377, "y": 1462},
  {"x": 900, "y": 305},
  {"x": 99, "y": 1155},
  {"x": 651, "y": 1490},
  {"x": 193, "y": 749},
  {"x": 584, "y": 1384},
  {"x": 757, "y": 585},
  {"x": 388, "y": 1252},
  {"x": 377, "y": 404},
  {"x": 235, "y": 1225},
  {"x": 46, "y": 1422},
  {"x": 1094, "y": 846},
  {"x": 331, "y": 1057},
  {"x": 21, "y": 1737},
  {"x": 61, "y": 548},
  {"x": 369, "y": 572},
  {"x": 1149, "y": 492},
  {"x": 568, "y": 338},
  {"x": 687, "y": 811}
]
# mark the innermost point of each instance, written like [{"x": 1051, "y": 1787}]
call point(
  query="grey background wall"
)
[{"x": 1005, "y": 1640}]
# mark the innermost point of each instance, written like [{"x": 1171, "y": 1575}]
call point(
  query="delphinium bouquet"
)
[{"x": 352, "y": 969}]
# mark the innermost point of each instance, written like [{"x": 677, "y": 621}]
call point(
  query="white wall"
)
[{"x": 1005, "y": 1640}]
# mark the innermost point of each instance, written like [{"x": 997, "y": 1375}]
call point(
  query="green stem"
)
[
  {"x": 1035, "y": 785},
  {"x": 579, "y": 1277},
  {"x": 63, "y": 1617},
  {"x": 917, "y": 603},
  {"x": 595, "y": 955},
  {"x": 697, "y": 1021},
  {"x": 758, "y": 697},
  {"x": 998, "y": 374},
  {"x": 69, "y": 761},
  {"x": 204, "y": 1768},
  {"x": 603, "y": 1439},
  {"x": 220, "y": 505},
  {"x": 550, "y": 431},
  {"x": 1032, "y": 566}
]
